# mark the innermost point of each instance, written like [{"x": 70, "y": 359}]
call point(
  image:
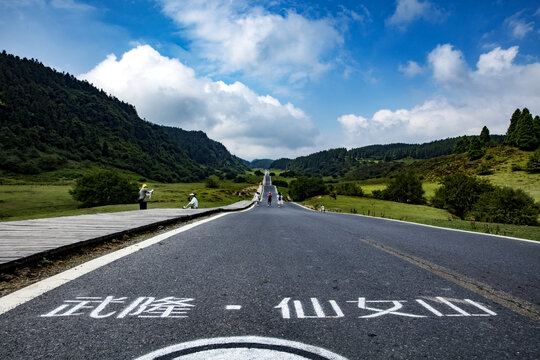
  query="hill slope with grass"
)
[{"x": 52, "y": 121}]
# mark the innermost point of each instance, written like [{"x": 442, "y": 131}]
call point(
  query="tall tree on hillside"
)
[
  {"x": 475, "y": 149},
  {"x": 536, "y": 125},
  {"x": 462, "y": 145},
  {"x": 485, "y": 139},
  {"x": 510, "y": 133},
  {"x": 525, "y": 132}
]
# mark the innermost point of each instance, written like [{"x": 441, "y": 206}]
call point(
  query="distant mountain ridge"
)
[
  {"x": 259, "y": 163},
  {"x": 341, "y": 161},
  {"x": 50, "y": 119}
]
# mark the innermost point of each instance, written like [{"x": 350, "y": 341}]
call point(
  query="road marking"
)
[
  {"x": 30, "y": 292},
  {"x": 242, "y": 348},
  {"x": 509, "y": 301},
  {"x": 233, "y": 307}
]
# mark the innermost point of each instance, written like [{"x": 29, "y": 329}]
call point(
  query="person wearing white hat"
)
[{"x": 193, "y": 202}]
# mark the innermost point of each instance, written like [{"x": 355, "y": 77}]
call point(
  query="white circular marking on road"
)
[{"x": 242, "y": 348}]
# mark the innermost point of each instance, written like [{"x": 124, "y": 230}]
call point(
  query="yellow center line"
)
[{"x": 509, "y": 301}]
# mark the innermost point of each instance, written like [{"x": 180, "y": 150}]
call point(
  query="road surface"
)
[{"x": 290, "y": 283}]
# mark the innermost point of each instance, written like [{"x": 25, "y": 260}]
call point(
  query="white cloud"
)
[
  {"x": 167, "y": 92},
  {"x": 519, "y": 26},
  {"x": 352, "y": 123},
  {"x": 411, "y": 69},
  {"x": 487, "y": 95},
  {"x": 408, "y": 11},
  {"x": 497, "y": 60},
  {"x": 237, "y": 38},
  {"x": 448, "y": 65}
]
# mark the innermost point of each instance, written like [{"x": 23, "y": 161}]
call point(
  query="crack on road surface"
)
[{"x": 500, "y": 297}]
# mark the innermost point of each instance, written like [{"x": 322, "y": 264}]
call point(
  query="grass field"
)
[
  {"x": 21, "y": 202},
  {"x": 418, "y": 214}
]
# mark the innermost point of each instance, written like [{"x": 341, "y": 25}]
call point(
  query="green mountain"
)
[
  {"x": 367, "y": 161},
  {"x": 52, "y": 120},
  {"x": 259, "y": 163}
]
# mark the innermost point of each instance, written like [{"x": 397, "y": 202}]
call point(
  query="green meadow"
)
[
  {"x": 32, "y": 201},
  {"x": 421, "y": 214}
]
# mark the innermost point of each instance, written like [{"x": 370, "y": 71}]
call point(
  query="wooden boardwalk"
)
[{"x": 27, "y": 240}]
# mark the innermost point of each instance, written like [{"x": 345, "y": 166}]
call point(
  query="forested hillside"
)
[
  {"x": 370, "y": 160},
  {"x": 259, "y": 163},
  {"x": 52, "y": 120}
]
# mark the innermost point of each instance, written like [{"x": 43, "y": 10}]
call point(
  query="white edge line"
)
[
  {"x": 19, "y": 297},
  {"x": 431, "y": 226}
]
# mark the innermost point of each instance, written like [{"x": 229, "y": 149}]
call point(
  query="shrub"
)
[
  {"x": 303, "y": 188},
  {"x": 405, "y": 188},
  {"x": 348, "y": 189},
  {"x": 506, "y": 205},
  {"x": 459, "y": 193},
  {"x": 288, "y": 174},
  {"x": 104, "y": 187},
  {"x": 212, "y": 182},
  {"x": 280, "y": 183},
  {"x": 240, "y": 179},
  {"x": 484, "y": 169},
  {"x": 258, "y": 173}
]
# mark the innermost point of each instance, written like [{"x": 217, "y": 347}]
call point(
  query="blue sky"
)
[{"x": 276, "y": 78}]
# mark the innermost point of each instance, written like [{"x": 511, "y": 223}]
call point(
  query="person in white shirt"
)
[
  {"x": 193, "y": 202},
  {"x": 257, "y": 198},
  {"x": 279, "y": 199}
]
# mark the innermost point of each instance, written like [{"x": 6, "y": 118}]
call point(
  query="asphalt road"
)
[{"x": 289, "y": 283}]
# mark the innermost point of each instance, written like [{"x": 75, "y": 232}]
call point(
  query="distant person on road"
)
[
  {"x": 144, "y": 195},
  {"x": 322, "y": 208},
  {"x": 279, "y": 199},
  {"x": 193, "y": 202},
  {"x": 257, "y": 198},
  {"x": 269, "y": 198}
]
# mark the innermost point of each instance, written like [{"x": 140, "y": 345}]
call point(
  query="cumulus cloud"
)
[
  {"x": 411, "y": 69},
  {"x": 448, "y": 65},
  {"x": 167, "y": 92},
  {"x": 408, "y": 11},
  {"x": 234, "y": 37},
  {"x": 487, "y": 95}
]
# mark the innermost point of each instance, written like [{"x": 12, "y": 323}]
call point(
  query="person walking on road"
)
[
  {"x": 279, "y": 199},
  {"x": 144, "y": 195},
  {"x": 269, "y": 198},
  {"x": 193, "y": 202},
  {"x": 257, "y": 198}
]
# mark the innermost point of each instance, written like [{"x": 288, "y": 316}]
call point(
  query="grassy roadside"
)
[
  {"x": 418, "y": 214},
  {"x": 20, "y": 202}
]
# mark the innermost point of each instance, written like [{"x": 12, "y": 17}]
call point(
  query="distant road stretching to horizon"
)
[{"x": 290, "y": 283}]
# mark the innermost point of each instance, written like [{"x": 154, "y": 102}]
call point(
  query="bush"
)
[
  {"x": 303, "y": 188},
  {"x": 240, "y": 179},
  {"x": 405, "y": 188},
  {"x": 288, "y": 174},
  {"x": 348, "y": 189},
  {"x": 104, "y": 187},
  {"x": 280, "y": 183},
  {"x": 506, "y": 205},
  {"x": 258, "y": 173},
  {"x": 212, "y": 182},
  {"x": 459, "y": 193},
  {"x": 484, "y": 169}
]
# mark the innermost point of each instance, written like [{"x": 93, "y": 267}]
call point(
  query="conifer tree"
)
[
  {"x": 525, "y": 134},
  {"x": 536, "y": 125},
  {"x": 510, "y": 133},
  {"x": 485, "y": 139},
  {"x": 462, "y": 145},
  {"x": 475, "y": 149}
]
